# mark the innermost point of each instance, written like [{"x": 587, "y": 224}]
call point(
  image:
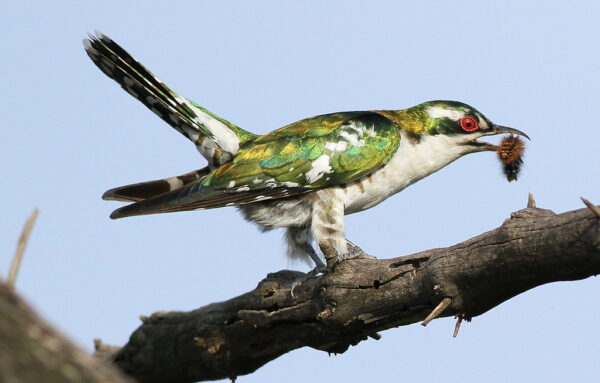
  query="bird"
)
[{"x": 304, "y": 177}]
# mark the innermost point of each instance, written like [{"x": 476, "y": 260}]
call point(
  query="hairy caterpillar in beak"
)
[{"x": 510, "y": 153}]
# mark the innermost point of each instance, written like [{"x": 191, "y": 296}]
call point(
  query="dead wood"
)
[{"x": 359, "y": 297}]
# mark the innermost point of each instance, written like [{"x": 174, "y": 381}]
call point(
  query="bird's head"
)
[{"x": 461, "y": 122}]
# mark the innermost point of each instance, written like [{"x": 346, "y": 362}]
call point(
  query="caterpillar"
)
[{"x": 510, "y": 153}]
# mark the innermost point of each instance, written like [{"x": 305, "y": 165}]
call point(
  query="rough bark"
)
[
  {"x": 31, "y": 351},
  {"x": 358, "y": 297}
]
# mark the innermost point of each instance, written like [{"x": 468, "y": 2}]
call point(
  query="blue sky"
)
[{"x": 70, "y": 133}]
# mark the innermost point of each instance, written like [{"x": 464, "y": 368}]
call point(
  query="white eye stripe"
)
[
  {"x": 482, "y": 123},
  {"x": 442, "y": 112}
]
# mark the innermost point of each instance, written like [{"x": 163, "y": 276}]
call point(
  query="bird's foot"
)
[
  {"x": 334, "y": 256},
  {"x": 354, "y": 252},
  {"x": 319, "y": 269}
]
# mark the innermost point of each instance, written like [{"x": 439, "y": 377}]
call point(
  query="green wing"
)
[{"x": 311, "y": 154}]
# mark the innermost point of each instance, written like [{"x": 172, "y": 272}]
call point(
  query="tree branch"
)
[
  {"x": 358, "y": 297},
  {"x": 31, "y": 351}
]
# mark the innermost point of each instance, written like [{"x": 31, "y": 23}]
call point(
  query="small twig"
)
[
  {"x": 103, "y": 351},
  {"x": 595, "y": 209},
  {"x": 21, "y": 245},
  {"x": 531, "y": 201},
  {"x": 437, "y": 311},
  {"x": 375, "y": 336},
  {"x": 457, "y": 325}
]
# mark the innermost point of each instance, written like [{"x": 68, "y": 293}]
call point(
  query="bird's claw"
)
[
  {"x": 319, "y": 269},
  {"x": 354, "y": 252}
]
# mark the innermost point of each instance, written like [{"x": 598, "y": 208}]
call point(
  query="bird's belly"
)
[
  {"x": 367, "y": 192},
  {"x": 410, "y": 164},
  {"x": 293, "y": 211}
]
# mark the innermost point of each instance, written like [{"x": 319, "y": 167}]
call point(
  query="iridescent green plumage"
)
[
  {"x": 303, "y": 177},
  {"x": 286, "y": 155},
  {"x": 314, "y": 153}
]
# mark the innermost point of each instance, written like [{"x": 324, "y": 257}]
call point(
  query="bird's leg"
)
[
  {"x": 327, "y": 224},
  {"x": 299, "y": 247},
  {"x": 319, "y": 265},
  {"x": 327, "y": 227}
]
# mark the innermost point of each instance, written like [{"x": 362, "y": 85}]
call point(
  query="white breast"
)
[{"x": 412, "y": 161}]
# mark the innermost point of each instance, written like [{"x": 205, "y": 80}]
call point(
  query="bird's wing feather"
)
[{"x": 311, "y": 154}]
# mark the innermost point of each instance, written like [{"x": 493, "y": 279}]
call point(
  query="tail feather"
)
[
  {"x": 216, "y": 139},
  {"x": 150, "y": 189},
  {"x": 196, "y": 196},
  {"x": 137, "y": 86}
]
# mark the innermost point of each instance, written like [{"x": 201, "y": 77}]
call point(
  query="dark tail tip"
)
[
  {"x": 116, "y": 214},
  {"x": 125, "y": 211},
  {"x": 109, "y": 195},
  {"x": 128, "y": 211}
]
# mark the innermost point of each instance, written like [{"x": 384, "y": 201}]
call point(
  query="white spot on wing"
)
[
  {"x": 358, "y": 128},
  {"x": 320, "y": 166},
  {"x": 336, "y": 146},
  {"x": 372, "y": 131},
  {"x": 231, "y": 184},
  {"x": 352, "y": 139}
]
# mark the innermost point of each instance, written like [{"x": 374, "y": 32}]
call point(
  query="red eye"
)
[{"x": 468, "y": 124}]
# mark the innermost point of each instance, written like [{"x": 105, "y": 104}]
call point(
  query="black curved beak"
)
[{"x": 497, "y": 129}]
